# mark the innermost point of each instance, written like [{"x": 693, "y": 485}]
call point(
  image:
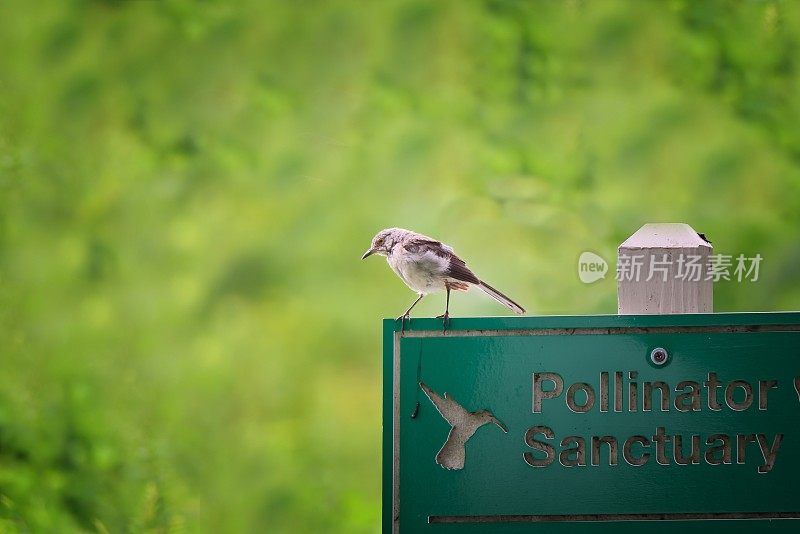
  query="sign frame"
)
[{"x": 724, "y": 323}]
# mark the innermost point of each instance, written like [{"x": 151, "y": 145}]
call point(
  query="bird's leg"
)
[
  {"x": 407, "y": 314},
  {"x": 446, "y": 315}
]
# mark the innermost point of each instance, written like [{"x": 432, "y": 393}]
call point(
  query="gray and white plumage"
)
[
  {"x": 427, "y": 265},
  {"x": 463, "y": 424}
]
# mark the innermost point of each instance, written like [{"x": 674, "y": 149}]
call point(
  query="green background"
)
[{"x": 188, "y": 341}]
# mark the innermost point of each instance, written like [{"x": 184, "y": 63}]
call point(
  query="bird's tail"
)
[{"x": 502, "y": 299}]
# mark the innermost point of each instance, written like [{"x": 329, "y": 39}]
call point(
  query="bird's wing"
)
[
  {"x": 456, "y": 268},
  {"x": 459, "y": 270},
  {"x": 418, "y": 244},
  {"x": 451, "y": 411},
  {"x": 426, "y": 254}
]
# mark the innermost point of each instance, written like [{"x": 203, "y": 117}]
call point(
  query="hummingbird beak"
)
[
  {"x": 503, "y": 427},
  {"x": 368, "y": 253}
]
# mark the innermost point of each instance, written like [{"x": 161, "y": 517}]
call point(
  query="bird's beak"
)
[
  {"x": 368, "y": 253},
  {"x": 503, "y": 427}
]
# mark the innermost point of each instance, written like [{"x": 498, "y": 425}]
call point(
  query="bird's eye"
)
[{"x": 379, "y": 242}]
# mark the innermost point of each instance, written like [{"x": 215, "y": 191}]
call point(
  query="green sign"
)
[{"x": 545, "y": 424}]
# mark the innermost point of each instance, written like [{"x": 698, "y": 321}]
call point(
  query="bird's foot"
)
[
  {"x": 445, "y": 320},
  {"x": 402, "y": 320}
]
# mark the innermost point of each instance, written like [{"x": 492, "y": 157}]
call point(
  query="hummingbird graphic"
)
[{"x": 463, "y": 423}]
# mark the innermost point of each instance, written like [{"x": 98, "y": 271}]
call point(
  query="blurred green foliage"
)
[{"x": 189, "y": 340}]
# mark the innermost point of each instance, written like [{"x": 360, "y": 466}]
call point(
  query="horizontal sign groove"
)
[
  {"x": 609, "y": 517},
  {"x": 604, "y": 330}
]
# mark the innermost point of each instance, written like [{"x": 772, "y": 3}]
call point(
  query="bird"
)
[
  {"x": 463, "y": 425},
  {"x": 427, "y": 265}
]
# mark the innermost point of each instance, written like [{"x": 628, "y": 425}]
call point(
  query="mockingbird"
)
[{"x": 427, "y": 265}]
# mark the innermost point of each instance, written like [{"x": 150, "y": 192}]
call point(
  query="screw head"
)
[{"x": 659, "y": 356}]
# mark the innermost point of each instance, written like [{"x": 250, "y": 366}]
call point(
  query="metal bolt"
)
[{"x": 659, "y": 356}]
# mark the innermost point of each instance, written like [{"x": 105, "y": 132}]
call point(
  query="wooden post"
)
[{"x": 663, "y": 268}]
